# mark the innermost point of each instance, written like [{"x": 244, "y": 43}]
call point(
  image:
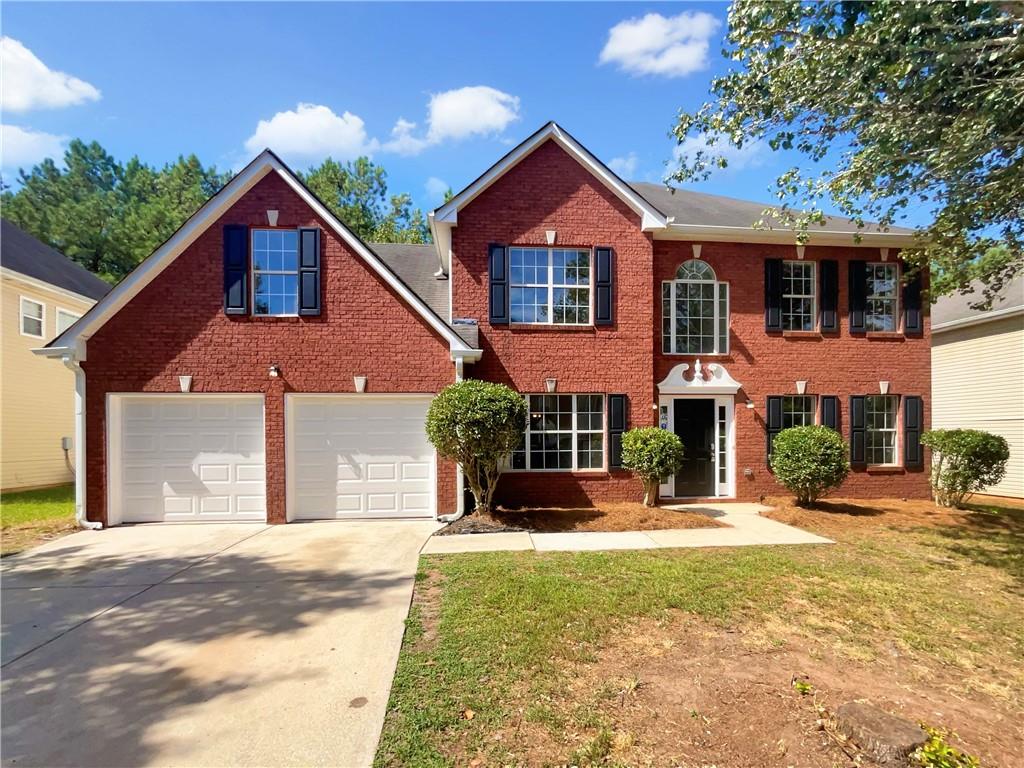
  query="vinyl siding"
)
[
  {"x": 978, "y": 383},
  {"x": 36, "y": 393}
]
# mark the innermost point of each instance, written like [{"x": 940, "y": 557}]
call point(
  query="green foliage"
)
[
  {"x": 809, "y": 461},
  {"x": 651, "y": 454},
  {"x": 904, "y": 105},
  {"x": 104, "y": 215},
  {"x": 964, "y": 461},
  {"x": 937, "y": 753},
  {"x": 477, "y": 424},
  {"x": 357, "y": 193}
]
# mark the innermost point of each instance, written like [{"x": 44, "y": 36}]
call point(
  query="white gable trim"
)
[
  {"x": 650, "y": 217},
  {"x": 74, "y": 338}
]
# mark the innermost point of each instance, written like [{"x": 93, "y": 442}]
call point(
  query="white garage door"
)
[
  {"x": 359, "y": 456},
  {"x": 187, "y": 458}
]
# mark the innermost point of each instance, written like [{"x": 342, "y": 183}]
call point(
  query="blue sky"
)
[{"x": 158, "y": 80}]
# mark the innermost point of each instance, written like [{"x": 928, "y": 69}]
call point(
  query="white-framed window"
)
[
  {"x": 695, "y": 312},
  {"x": 881, "y": 309},
  {"x": 65, "y": 319},
  {"x": 799, "y": 296},
  {"x": 550, "y": 286},
  {"x": 275, "y": 272},
  {"x": 880, "y": 429},
  {"x": 798, "y": 411},
  {"x": 33, "y": 318},
  {"x": 563, "y": 432}
]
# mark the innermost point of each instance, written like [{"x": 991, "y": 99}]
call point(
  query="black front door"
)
[{"x": 695, "y": 425}]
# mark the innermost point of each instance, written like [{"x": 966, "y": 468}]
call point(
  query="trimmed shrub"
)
[
  {"x": 809, "y": 461},
  {"x": 477, "y": 424},
  {"x": 964, "y": 461},
  {"x": 651, "y": 453}
]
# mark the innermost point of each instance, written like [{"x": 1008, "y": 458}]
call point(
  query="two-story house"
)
[{"x": 265, "y": 363}]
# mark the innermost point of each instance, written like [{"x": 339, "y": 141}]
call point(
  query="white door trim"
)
[
  {"x": 114, "y": 421},
  {"x": 291, "y": 398},
  {"x": 666, "y": 420}
]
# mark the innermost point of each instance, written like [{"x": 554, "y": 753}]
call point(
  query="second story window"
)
[
  {"x": 549, "y": 286},
  {"x": 32, "y": 318},
  {"x": 881, "y": 309},
  {"x": 694, "y": 312},
  {"x": 798, "y": 296},
  {"x": 275, "y": 272}
]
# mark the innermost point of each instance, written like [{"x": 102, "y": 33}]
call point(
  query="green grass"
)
[
  {"x": 509, "y": 624},
  {"x": 29, "y": 517}
]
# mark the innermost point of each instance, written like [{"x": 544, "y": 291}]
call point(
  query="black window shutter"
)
[
  {"x": 913, "y": 423},
  {"x": 236, "y": 269},
  {"x": 858, "y": 295},
  {"x": 774, "y": 421},
  {"x": 857, "y": 430},
  {"x": 618, "y": 422},
  {"x": 497, "y": 270},
  {"x": 773, "y": 294},
  {"x": 604, "y": 312},
  {"x": 912, "y": 305},
  {"x": 829, "y": 295},
  {"x": 830, "y": 412},
  {"x": 309, "y": 271}
]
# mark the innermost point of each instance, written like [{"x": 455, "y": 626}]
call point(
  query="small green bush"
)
[
  {"x": 964, "y": 461},
  {"x": 810, "y": 461},
  {"x": 477, "y": 424},
  {"x": 937, "y": 752},
  {"x": 651, "y": 453}
]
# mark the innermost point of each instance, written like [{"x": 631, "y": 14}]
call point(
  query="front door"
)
[{"x": 694, "y": 421}]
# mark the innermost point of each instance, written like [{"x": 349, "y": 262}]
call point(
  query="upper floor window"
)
[
  {"x": 798, "y": 296},
  {"x": 797, "y": 411},
  {"x": 549, "y": 285},
  {"x": 880, "y": 430},
  {"x": 694, "y": 311},
  {"x": 562, "y": 432},
  {"x": 275, "y": 271},
  {"x": 881, "y": 307},
  {"x": 32, "y": 317},
  {"x": 65, "y": 320}
]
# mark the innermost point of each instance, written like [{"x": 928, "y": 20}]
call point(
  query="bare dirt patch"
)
[
  {"x": 687, "y": 693},
  {"x": 426, "y": 606},
  {"x": 621, "y": 516}
]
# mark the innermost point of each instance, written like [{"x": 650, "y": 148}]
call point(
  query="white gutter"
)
[
  {"x": 982, "y": 317},
  {"x": 80, "y": 486},
  {"x": 717, "y": 233}
]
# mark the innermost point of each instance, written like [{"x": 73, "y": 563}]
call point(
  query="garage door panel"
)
[
  {"x": 360, "y": 457},
  {"x": 191, "y": 457}
]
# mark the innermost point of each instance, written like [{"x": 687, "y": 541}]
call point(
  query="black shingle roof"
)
[{"x": 22, "y": 253}]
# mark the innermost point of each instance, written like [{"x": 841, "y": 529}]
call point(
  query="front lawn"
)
[
  {"x": 718, "y": 657},
  {"x": 28, "y": 518}
]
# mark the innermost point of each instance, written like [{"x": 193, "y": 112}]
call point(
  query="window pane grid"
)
[
  {"x": 275, "y": 272},
  {"x": 32, "y": 318},
  {"x": 723, "y": 452},
  {"x": 797, "y": 411},
  {"x": 694, "y": 312},
  {"x": 798, "y": 296},
  {"x": 563, "y": 432},
  {"x": 880, "y": 432},
  {"x": 881, "y": 301},
  {"x": 549, "y": 285}
]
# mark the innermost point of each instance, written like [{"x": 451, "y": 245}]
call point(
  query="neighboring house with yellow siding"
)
[
  {"x": 978, "y": 373},
  {"x": 42, "y": 293}
]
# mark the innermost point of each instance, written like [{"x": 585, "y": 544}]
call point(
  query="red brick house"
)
[{"x": 265, "y": 363}]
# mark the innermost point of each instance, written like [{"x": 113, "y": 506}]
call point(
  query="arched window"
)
[{"x": 694, "y": 312}]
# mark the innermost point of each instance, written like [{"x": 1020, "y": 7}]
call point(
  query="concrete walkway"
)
[
  {"x": 746, "y": 528},
  {"x": 205, "y": 645}
]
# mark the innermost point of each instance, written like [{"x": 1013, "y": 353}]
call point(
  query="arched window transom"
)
[{"x": 695, "y": 312}]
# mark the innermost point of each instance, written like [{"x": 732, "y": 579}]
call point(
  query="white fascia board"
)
[
  {"x": 468, "y": 355},
  {"x": 441, "y": 234},
  {"x": 982, "y": 317},
  {"x": 42, "y": 285},
  {"x": 651, "y": 219},
  {"x": 727, "y": 234}
]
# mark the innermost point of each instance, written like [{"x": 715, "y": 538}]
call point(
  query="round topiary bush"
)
[
  {"x": 651, "y": 453},
  {"x": 809, "y": 461},
  {"x": 964, "y": 461}
]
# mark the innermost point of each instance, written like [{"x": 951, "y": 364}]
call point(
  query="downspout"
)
[
  {"x": 460, "y": 496},
  {"x": 80, "y": 519}
]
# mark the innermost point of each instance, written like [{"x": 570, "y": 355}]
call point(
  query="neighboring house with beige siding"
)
[
  {"x": 978, "y": 373},
  {"x": 42, "y": 293}
]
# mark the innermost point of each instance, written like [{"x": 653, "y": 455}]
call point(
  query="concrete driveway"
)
[{"x": 205, "y": 645}]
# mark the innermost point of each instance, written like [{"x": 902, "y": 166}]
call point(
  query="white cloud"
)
[
  {"x": 402, "y": 141},
  {"x": 655, "y": 45},
  {"x": 313, "y": 131},
  {"x": 435, "y": 189},
  {"x": 750, "y": 155},
  {"x": 625, "y": 166},
  {"x": 29, "y": 84},
  {"x": 23, "y": 147}
]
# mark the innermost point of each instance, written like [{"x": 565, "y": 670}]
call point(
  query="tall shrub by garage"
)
[
  {"x": 477, "y": 424},
  {"x": 964, "y": 461},
  {"x": 809, "y": 461},
  {"x": 651, "y": 453}
]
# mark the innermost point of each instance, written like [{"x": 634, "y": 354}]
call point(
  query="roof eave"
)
[{"x": 721, "y": 233}]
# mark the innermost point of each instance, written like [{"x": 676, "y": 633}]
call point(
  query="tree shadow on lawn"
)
[
  {"x": 133, "y": 686},
  {"x": 988, "y": 535}
]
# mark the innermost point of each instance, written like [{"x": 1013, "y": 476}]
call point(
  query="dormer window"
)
[{"x": 695, "y": 312}]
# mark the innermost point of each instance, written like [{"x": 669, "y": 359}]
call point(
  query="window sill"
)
[
  {"x": 695, "y": 354},
  {"x": 591, "y": 473},
  {"x": 885, "y": 336},
  {"x": 547, "y": 327},
  {"x": 801, "y": 335},
  {"x": 884, "y": 469}
]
